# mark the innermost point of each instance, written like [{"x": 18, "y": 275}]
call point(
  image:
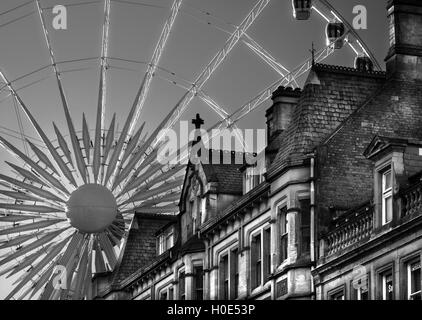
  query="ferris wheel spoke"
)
[
  {"x": 25, "y": 262},
  {"x": 42, "y": 156},
  {"x": 353, "y": 32},
  {"x": 171, "y": 197},
  {"x": 213, "y": 65},
  {"x": 108, "y": 250},
  {"x": 223, "y": 114},
  {"x": 42, "y": 281},
  {"x": 54, "y": 251},
  {"x": 141, "y": 153},
  {"x": 14, "y": 218},
  {"x": 266, "y": 94},
  {"x": 44, "y": 194},
  {"x": 40, "y": 132},
  {"x": 81, "y": 273},
  {"x": 162, "y": 209},
  {"x": 142, "y": 92},
  {"x": 99, "y": 127},
  {"x": 25, "y": 174},
  {"x": 138, "y": 181},
  {"x": 86, "y": 138},
  {"x": 32, "y": 246},
  {"x": 73, "y": 137},
  {"x": 18, "y": 240},
  {"x": 43, "y": 173},
  {"x": 67, "y": 258},
  {"x": 30, "y": 226},
  {"x": 133, "y": 142},
  {"x": 100, "y": 265},
  {"x": 145, "y": 193},
  {"x": 66, "y": 152}
]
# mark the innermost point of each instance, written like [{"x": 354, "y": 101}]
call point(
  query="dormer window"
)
[
  {"x": 387, "y": 195},
  {"x": 165, "y": 241}
]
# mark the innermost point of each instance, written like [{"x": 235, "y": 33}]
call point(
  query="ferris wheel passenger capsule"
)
[
  {"x": 334, "y": 31},
  {"x": 364, "y": 63},
  {"x": 302, "y": 9}
]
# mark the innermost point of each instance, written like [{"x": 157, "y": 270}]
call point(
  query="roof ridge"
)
[{"x": 330, "y": 67}]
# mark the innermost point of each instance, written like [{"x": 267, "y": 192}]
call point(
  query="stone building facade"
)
[{"x": 337, "y": 214}]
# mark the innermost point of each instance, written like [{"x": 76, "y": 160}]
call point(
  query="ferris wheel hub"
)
[{"x": 91, "y": 208}]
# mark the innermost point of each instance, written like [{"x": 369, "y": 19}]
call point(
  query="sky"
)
[{"x": 134, "y": 31}]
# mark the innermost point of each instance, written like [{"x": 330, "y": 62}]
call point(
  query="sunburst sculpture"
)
[{"x": 71, "y": 210}]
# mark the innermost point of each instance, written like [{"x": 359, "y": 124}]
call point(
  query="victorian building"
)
[{"x": 337, "y": 213}]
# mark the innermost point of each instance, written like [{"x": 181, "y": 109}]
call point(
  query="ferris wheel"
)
[{"x": 69, "y": 204}]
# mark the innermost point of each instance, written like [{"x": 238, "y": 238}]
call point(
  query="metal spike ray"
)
[
  {"x": 17, "y": 218},
  {"x": 25, "y": 262},
  {"x": 141, "y": 152},
  {"x": 30, "y": 226},
  {"x": 73, "y": 137},
  {"x": 36, "y": 126},
  {"x": 29, "y": 208},
  {"x": 42, "y": 157},
  {"x": 18, "y": 240},
  {"x": 143, "y": 91},
  {"x": 162, "y": 209},
  {"x": 145, "y": 193},
  {"x": 133, "y": 142},
  {"x": 108, "y": 249},
  {"x": 138, "y": 181},
  {"x": 109, "y": 139},
  {"x": 34, "y": 166},
  {"x": 86, "y": 139},
  {"x": 100, "y": 265},
  {"x": 171, "y": 197},
  {"x": 33, "y": 245},
  {"x": 78, "y": 284},
  {"x": 39, "y": 266},
  {"x": 65, "y": 260},
  {"x": 34, "y": 190},
  {"x": 63, "y": 145},
  {"x": 42, "y": 280},
  {"x": 99, "y": 127},
  {"x": 25, "y": 173},
  {"x": 130, "y": 147}
]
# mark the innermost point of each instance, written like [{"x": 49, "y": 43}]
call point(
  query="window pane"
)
[
  {"x": 388, "y": 286},
  {"x": 387, "y": 180},
  {"x": 388, "y": 209},
  {"x": 415, "y": 281},
  {"x": 199, "y": 283}
]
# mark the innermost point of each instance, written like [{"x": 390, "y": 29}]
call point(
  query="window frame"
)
[
  {"x": 195, "y": 287},
  {"x": 409, "y": 264},
  {"x": 256, "y": 260},
  {"x": 356, "y": 294},
  {"x": 381, "y": 281},
  {"x": 182, "y": 293},
  {"x": 283, "y": 239},
  {"x": 335, "y": 292},
  {"x": 386, "y": 194}
]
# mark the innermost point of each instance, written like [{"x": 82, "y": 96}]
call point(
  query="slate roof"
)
[
  {"x": 321, "y": 109},
  {"x": 228, "y": 177},
  {"x": 140, "y": 250}
]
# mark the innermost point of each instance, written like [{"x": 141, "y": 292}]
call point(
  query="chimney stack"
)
[
  {"x": 404, "y": 59},
  {"x": 280, "y": 113}
]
